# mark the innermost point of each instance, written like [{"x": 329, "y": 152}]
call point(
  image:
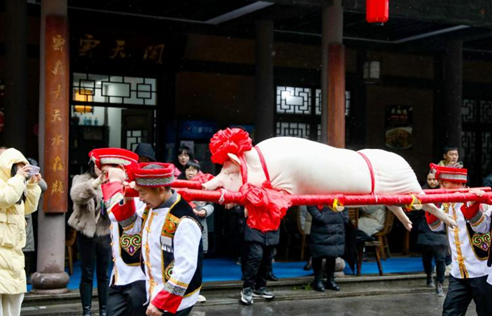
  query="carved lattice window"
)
[
  {"x": 485, "y": 111},
  {"x": 318, "y": 102},
  {"x": 293, "y": 129},
  {"x": 114, "y": 89},
  {"x": 293, "y": 100},
  {"x": 468, "y": 111}
]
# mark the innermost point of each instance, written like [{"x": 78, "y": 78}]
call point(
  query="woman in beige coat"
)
[{"x": 18, "y": 197}]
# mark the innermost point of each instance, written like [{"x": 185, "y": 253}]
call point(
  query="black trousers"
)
[
  {"x": 462, "y": 291},
  {"x": 94, "y": 252},
  {"x": 318, "y": 269},
  {"x": 439, "y": 254},
  {"x": 127, "y": 300},
  {"x": 257, "y": 265}
]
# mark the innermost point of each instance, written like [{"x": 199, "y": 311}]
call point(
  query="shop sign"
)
[
  {"x": 91, "y": 46},
  {"x": 399, "y": 126}
]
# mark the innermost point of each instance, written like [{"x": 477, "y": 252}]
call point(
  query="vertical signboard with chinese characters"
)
[
  {"x": 56, "y": 98},
  {"x": 399, "y": 126}
]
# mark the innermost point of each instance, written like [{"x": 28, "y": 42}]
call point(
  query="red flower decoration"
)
[
  {"x": 229, "y": 141},
  {"x": 266, "y": 207}
]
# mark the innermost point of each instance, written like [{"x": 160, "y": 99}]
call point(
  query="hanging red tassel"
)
[{"x": 377, "y": 11}]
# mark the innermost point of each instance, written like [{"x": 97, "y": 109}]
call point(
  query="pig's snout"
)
[{"x": 212, "y": 184}]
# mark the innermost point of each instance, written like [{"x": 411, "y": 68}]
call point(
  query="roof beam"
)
[{"x": 473, "y": 13}]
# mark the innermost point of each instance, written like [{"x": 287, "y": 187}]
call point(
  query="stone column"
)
[
  {"x": 14, "y": 134},
  {"x": 333, "y": 83},
  {"x": 333, "y": 76},
  {"x": 265, "y": 91},
  {"x": 451, "y": 111},
  {"x": 53, "y": 147}
]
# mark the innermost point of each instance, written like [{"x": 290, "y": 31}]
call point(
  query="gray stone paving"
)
[{"x": 425, "y": 304}]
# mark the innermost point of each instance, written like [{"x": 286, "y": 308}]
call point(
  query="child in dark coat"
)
[{"x": 327, "y": 241}]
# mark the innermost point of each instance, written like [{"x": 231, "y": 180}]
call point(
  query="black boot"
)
[
  {"x": 86, "y": 298},
  {"x": 271, "y": 276},
  {"x": 102, "y": 293},
  {"x": 318, "y": 284},
  {"x": 330, "y": 275},
  {"x": 318, "y": 275},
  {"x": 330, "y": 283},
  {"x": 308, "y": 265}
]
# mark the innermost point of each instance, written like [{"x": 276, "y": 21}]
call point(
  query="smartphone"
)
[{"x": 33, "y": 170}]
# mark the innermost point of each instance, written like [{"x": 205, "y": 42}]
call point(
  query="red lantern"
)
[{"x": 377, "y": 11}]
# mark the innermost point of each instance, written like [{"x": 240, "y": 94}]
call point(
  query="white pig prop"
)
[{"x": 299, "y": 166}]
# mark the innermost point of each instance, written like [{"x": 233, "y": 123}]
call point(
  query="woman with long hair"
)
[{"x": 92, "y": 223}]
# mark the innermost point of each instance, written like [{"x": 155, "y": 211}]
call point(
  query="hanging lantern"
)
[
  {"x": 377, "y": 11},
  {"x": 371, "y": 71}
]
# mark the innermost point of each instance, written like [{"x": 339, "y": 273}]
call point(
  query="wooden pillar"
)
[
  {"x": 53, "y": 145},
  {"x": 336, "y": 96},
  {"x": 333, "y": 76},
  {"x": 265, "y": 92},
  {"x": 454, "y": 94},
  {"x": 16, "y": 114}
]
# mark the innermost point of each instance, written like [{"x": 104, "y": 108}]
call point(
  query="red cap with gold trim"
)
[
  {"x": 113, "y": 156},
  {"x": 450, "y": 174},
  {"x": 154, "y": 174}
]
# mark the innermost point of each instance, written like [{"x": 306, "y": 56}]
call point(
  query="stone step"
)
[{"x": 220, "y": 293}]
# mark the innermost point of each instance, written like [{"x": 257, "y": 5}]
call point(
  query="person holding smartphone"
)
[{"x": 19, "y": 195}]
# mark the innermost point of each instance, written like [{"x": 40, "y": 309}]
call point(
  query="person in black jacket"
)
[
  {"x": 259, "y": 253},
  {"x": 433, "y": 244},
  {"x": 327, "y": 241}
]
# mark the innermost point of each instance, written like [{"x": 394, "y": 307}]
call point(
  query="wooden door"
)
[{"x": 137, "y": 126}]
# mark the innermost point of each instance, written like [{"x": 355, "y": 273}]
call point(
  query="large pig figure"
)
[{"x": 300, "y": 166}]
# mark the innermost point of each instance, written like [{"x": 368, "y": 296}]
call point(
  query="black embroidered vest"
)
[
  {"x": 180, "y": 210},
  {"x": 130, "y": 247}
]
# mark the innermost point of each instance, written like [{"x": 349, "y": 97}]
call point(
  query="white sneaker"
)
[
  {"x": 448, "y": 270},
  {"x": 201, "y": 299}
]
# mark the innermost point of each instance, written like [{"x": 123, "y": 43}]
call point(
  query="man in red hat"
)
[
  {"x": 469, "y": 248},
  {"x": 126, "y": 296},
  {"x": 171, "y": 238}
]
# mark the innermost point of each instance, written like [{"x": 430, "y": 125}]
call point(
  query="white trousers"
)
[{"x": 10, "y": 304}]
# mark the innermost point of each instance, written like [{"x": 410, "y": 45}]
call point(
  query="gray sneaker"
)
[
  {"x": 247, "y": 296},
  {"x": 439, "y": 290},
  {"x": 263, "y": 292},
  {"x": 430, "y": 283}
]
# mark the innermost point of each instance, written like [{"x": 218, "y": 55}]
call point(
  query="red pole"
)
[
  {"x": 225, "y": 197},
  {"x": 187, "y": 184},
  {"x": 440, "y": 191}
]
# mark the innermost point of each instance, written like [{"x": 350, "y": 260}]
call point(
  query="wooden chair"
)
[
  {"x": 69, "y": 244},
  {"x": 354, "y": 217},
  {"x": 382, "y": 236}
]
